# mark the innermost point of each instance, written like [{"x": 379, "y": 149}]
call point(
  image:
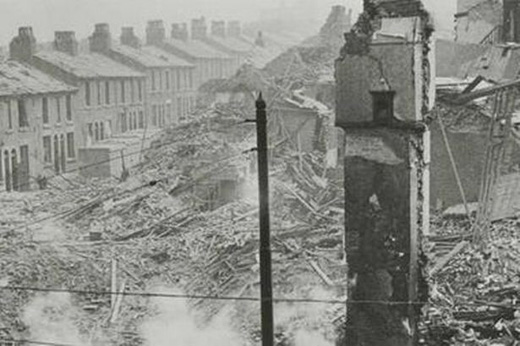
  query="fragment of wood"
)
[
  {"x": 113, "y": 282},
  {"x": 444, "y": 261},
  {"x": 320, "y": 273},
  {"x": 118, "y": 302},
  {"x": 249, "y": 213}
]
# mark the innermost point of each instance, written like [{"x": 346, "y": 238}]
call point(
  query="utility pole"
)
[{"x": 265, "y": 237}]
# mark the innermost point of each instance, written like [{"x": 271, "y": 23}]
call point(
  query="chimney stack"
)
[
  {"x": 234, "y": 29},
  {"x": 218, "y": 28},
  {"x": 260, "y": 40},
  {"x": 180, "y": 31},
  {"x": 128, "y": 38},
  {"x": 65, "y": 41},
  {"x": 199, "y": 29},
  {"x": 23, "y": 46},
  {"x": 101, "y": 40},
  {"x": 155, "y": 32}
]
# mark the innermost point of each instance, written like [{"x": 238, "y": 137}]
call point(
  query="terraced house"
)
[
  {"x": 226, "y": 39},
  {"x": 169, "y": 91},
  {"x": 37, "y": 136},
  {"x": 210, "y": 63},
  {"x": 111, "y": 95}
]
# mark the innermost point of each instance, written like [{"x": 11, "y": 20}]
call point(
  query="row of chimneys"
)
[
  {"x": 155, "y": 31},
  {"x": 23, "y": 46}
]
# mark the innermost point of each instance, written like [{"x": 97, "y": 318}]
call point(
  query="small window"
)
[
  {"x": 45, "y": 110},
  {"x": 132, "y": 90},
  {"x": 47, "y": 149},
  {"x": 102, "y": 130},
  {"x": 71, "y": 152},
  {"x": 123, "y": 93},
  {"x": 9, "y": 115},
  {"x": 167, "y": 77},
  {"x": 22, "y": 114},
  {"x": 178, "y": 76},
  {"x": 107, "y": 93},
  {"x": 68, "y": 101},
  {"x": 153, "y": 81},
  {"x": 58, "y": 109},
  {"x": 87, "y": 94},
  {"x": 154, "y": 115},
  {"x": 99, "y": 93},
  {"x": 123, "y": 122},
  {"x": 141, "y": 119},
  {"x": 90, "y": 130},
  {"x": 140, "y": 90}
]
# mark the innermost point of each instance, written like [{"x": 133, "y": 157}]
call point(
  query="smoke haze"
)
[{"x": 47, "y": 16}]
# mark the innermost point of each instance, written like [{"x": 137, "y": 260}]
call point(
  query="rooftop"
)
[
  {"x": 197, "y": 49},
  {"x": 232, "y": 43},
  {"x": 19, "y": 79},
  {"x": 90, "y": 65},
  {"x": 149, "y": 56}
]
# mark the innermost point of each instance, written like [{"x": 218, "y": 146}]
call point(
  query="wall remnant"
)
[{"x": 385, "y": 88}]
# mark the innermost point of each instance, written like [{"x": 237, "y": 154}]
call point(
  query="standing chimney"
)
[
  {"x": 155, "y": 32},
  {"x": 218, "y": 28},
  {"x": 260, "y": 40},
  {"x": 128, "y": 38},
  {"x": 511, "y": 20},
  {"x": 179, "y": 31},
  {"x": 234, "y": 29},
  {"x": 23, "y": 46},
  {"x": 65, "y": 41},
  {"x": 199, "y": 29},
  {"x": 101, "y": 40}
]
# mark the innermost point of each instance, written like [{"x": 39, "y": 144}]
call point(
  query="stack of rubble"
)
[{"x": 153, "y": 228}]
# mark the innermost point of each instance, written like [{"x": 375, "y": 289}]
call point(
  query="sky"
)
[{"x": 47, "y": 16}]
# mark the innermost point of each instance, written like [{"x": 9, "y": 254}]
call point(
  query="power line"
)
[{"x": 171, "y": 295}]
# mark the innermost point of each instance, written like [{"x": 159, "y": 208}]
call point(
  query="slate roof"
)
[
  {"x": 149, "y": 56},
  {"x": 162, "y": 55},
  {"x": 90, "y": 65},
  {"x": 196, "y": 49},
  {"x": 234, "y": 44},
  {"x": 19, "y": 79}
]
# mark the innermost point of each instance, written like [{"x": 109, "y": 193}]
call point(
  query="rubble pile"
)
[
  {"x": 155, "y": 229},
  {"x": 474, "y": 296}
]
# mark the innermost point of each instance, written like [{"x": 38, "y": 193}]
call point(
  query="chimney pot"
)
[
  {"x": 23, "y": 46},
  {"x": 101, "y": 39},
  {"x": 128, "y": 37},
  {"x": 155, "y": 32},
  {"x": 199, "y": 29},
  {"x": 65, "y": 41}
]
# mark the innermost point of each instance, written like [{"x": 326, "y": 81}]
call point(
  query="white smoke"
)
[
  {"x": 50, "y": 319},
  {"x": 175, "y": 325}
]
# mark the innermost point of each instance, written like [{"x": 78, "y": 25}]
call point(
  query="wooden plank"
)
[
  {"x": 320, "y": 273},
  {"x": 444, "y": 261}
]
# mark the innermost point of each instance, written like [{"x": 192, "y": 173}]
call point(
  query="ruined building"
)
[
  {"x": 478, "y": 21},
  {"x": 209, "y": 62},
  {"x": 385, "y": 87},
  {"x": 37, "y": 122},
  {"x": 169, "y": 91}
]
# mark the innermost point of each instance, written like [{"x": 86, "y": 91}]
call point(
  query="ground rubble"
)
[
  {"x": 474, "y": 296},
  {"x": 157, "y": 232}
]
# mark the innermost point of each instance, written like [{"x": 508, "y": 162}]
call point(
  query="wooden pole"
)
[{"x": 265, "y": 237}]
